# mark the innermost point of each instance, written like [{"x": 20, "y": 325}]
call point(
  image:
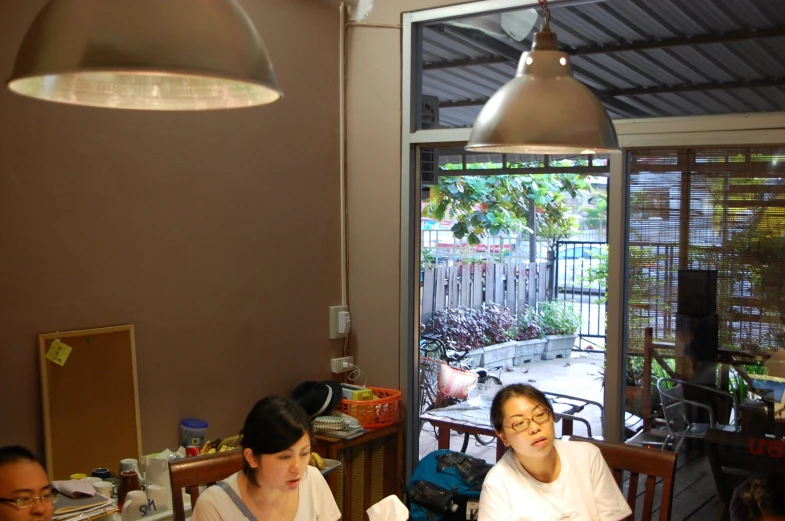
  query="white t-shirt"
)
[
  {"x": 584, "y": 491},
  {"x": 315, "y": 502}
]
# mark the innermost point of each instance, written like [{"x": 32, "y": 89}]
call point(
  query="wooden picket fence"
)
[{"x": 470, "y": 285}]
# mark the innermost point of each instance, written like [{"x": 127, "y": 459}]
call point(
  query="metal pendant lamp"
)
[
  {"x": 145, "y": 55},
  {"x": 543, "y": 109}
]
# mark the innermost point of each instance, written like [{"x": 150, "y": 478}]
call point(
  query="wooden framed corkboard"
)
[{"x": 91, "y": 401}]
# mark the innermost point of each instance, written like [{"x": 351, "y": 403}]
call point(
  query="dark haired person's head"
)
[
  {"x": 523, "y": 419},
  {"x": 25, "y": 491},
  {"x": 13, "y": 453},
  {"x": 761, "y": 498},
  {"x": 512, "y": 391},
  {"x": 276, "y": 434}
]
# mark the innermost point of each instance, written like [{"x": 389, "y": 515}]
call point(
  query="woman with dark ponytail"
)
[{"x": 276, "y": 481}]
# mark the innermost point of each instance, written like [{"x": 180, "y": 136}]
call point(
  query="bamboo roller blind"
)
[{"x": 718, "y": 208}]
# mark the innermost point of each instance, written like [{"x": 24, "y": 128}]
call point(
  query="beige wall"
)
[
  {"x": 374, "y": 187},
  {"x": 216, "y": 234}
]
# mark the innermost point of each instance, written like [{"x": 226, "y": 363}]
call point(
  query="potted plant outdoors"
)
[
  {"x": 461, "y": 329},
  {"x": 560, "y": 323},
  {"x": 498, "y": 323},
  {"x": 634, "y": 394},
  {"x": 529, "y": 337}
]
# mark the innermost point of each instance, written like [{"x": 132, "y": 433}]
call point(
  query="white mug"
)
[
  {"x": 135, "y": 506},
  {"x": 104, "y": 488},
  {"x": 158, "y": 499}
]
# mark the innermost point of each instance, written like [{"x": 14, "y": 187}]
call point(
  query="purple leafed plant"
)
[
  {"x": 460, "y": 327},
  {"x": 497, "y": 322}
]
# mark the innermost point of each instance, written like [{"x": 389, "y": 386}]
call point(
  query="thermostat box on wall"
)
[{"x": 356, "y": 393}]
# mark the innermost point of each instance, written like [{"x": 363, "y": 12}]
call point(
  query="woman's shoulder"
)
[
  {"x": 213, "y": 492},
  {"x": 578, "y": 449},
  {"x": 578, "y": 446},
  {"x": 215, "y": 504},
  {"x": 582, "y": 453},
  {"x": 502, "y": 468}
]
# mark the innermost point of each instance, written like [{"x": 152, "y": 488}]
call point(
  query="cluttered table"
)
[{"x": 103, "y": 493}]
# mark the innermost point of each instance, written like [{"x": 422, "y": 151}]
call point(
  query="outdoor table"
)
[{"x": 476, "y": 419}]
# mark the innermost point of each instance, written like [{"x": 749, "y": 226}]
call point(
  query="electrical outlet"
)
[
  {"x": 335, "y": 330},
  {"x": 341, "y": 365}
]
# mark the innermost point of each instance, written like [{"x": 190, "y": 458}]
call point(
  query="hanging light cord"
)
[{"x": 546, "y": 13}]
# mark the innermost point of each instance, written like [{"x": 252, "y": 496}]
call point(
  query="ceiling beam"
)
[
  {"x": 602, "y": 95},
  {"x": 733, "y": 36},
  {"x": 769, "y": 82},
  {"x": 464, "y": 103},
  {"x": 500, "y": 48},
  {"x": 471, "y": 62},
  {"x": 748, "y": 34}
]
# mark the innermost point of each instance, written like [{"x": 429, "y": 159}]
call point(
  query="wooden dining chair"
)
[
  {"x": 638, "y": 461},
  {"x": 189, "y": 473}
]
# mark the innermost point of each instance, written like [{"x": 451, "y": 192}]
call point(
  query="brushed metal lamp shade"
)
[
  {"x": 543, "y": 109},
  {"x": 145, "y": 55}
]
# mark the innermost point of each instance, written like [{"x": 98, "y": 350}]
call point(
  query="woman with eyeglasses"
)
[
  {"x": 25, "y": 491},
  {"x": 542, "y": 478}
]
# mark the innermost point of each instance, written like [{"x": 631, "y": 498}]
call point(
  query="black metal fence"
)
[{"x": 581, "y": 278}]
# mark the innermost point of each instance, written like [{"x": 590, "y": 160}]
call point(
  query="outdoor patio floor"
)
[
  {"x": 694, "y": 495},
  {"x": 576, "y": 376}
]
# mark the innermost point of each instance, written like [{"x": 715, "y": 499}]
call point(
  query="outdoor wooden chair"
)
[
  {"x": 637, "y": 461},
  {"x": 735, "y": 457},
  {"x": 189, "y": 473}
]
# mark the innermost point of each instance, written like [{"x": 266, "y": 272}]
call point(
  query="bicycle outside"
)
[{"x": 436, "y": 393}]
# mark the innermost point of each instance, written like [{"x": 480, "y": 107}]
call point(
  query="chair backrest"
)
[
  {"x": 673, "y": 409},
  {"x": 696, "y": 403},
  {"x": 638, "y": 461},
  {"x": 189, "y": 473},
  {"x": 735, "y": 456}
]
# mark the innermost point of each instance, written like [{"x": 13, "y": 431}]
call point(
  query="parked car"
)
[{"x": 573, "y": 262}]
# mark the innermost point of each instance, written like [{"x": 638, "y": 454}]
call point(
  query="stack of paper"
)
[{"x": 74, "y": 509}]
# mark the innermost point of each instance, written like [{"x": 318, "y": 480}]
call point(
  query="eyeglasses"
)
[
  {"x": 523, "y": 423},
  {"x": 27, "y": 502}
]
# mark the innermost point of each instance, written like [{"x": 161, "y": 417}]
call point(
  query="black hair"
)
[
  {"x": 14, "y": 453},
  {"x": 511, "y": 391},
  {"x": 274, "y": 424},
  {"x": 757, "y": 497}
]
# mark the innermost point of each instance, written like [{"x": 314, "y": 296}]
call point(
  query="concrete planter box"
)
[
  {"x": 499, "y": 354},
  {"x": 476, "y": 357},
  {"x": 558, "y": 346},
  {"x": 528, "y": 350}
]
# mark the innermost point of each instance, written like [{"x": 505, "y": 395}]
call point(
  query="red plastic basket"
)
[{"x": 374, "y": 414}]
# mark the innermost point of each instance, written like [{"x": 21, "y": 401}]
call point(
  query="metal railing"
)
[{"x": 576, "y": 281}]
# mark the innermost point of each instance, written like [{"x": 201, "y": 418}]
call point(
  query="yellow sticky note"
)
[{"x": 58, "y": 352}]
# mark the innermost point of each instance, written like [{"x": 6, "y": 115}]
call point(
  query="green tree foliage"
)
[{"x": 496, "y": 204}]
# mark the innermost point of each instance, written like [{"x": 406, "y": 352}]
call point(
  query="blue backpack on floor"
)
[{"x": 442, "y": 485}]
